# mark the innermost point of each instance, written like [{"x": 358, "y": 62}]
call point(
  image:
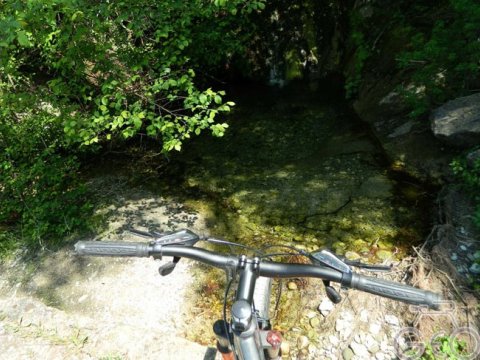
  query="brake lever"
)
[
  {"x": 366, "y": 266},
  {"x": 327, "y": 258},
  {"x": 142, "y": 234},
  {"x": 182, "y": 237}
]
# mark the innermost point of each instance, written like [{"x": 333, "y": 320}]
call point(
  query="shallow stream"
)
[{"x": 297, "y": 168}]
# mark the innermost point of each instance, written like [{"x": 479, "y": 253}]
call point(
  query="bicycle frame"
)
[{"x": 249, "y": 340}]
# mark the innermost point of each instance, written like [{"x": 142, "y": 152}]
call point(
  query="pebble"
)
[
  {"x": 360, "y": 350},
  {"x": 302, "y": 342},
  {"x": 325, "y": 307},
  {"x": 475, "y": 268},
  {"x": 344, "y": 325},
  {"x": 334, "y": 340},
  {"x": 292, "y": 286},
  {"x": 375, "y": 328},
  {"x": 392, "y": 320},
  {"x": 314, "y": 322},
  {"x": 463, "y": 248},
  {"x": 347, "y": 354},
  {"x": 364, "y": 315},
  {"x": 285, "y": 346},
  {"x": 454, "y": 257}
]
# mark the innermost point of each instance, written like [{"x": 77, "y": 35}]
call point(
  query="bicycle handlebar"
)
[{"x": 389, "y": 289}]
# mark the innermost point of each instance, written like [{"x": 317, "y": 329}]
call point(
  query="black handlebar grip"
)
[
  {"x": 396, "y": 291},
  {"x": 106, "y": 248}
]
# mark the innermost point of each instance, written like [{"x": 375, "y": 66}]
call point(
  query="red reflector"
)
[{"x": 274, "y": 338}]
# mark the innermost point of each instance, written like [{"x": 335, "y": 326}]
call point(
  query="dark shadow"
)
[{"x": 210, "y": 354}]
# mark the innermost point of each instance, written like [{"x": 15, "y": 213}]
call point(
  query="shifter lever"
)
[
  {"x": 167, "y": 268},
  {"x": 332, "y": 294}
]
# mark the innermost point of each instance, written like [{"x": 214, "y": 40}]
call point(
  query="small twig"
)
[{"x": 453, "y": 285}]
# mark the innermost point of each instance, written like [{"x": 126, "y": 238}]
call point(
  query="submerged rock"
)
[{"x": 457, "y": 122}]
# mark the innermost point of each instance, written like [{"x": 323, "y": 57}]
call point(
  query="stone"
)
[
  {"x": 326, "y": 306},
  {"x": 335, "y": 341},
  {"x": 457, "y": 122},
  {"x": 314, "y": 322},
  {"x": 347, "y": 354},
  {"x": 302, "y": 342},
  {"x": 378, "y": 186},
  {"x": 454, "y": 257},
  {"x": 402, "y": 129},
  {"x": 285, "y": 347},
  {"x": 384, "y": 254},
  {"x": 375, "y": 328},
  {"x": 371, "y": 344},
  {"x": 360, "y": 350},
  {"x": 364, "y": 315},
  {"x": 352, "y": 255},
  {"x": 473, "y": 157},
  {"x": 292, "y": 286},
  {"x": 392, "y": 320},
  {"x": 475, "y": 268}
]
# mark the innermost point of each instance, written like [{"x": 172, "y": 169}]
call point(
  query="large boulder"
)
[{"x": 457, "y": 122}]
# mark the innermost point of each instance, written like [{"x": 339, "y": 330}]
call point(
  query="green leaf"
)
[{"x": 23, "y": 39}]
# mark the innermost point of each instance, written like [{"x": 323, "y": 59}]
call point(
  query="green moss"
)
[{"x": 293, "y": 65}]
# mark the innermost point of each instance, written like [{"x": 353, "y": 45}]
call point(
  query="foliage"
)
[
  {"x": 468, "y": 172},
  {"x": 123, "y": 63},
  {"x": 75, "y": 74},
  {"x": 359, "y": 42},
  {"x": 38, "y": 184},
  {"x": 443, "y": 59},
  {"x": 445, "y": 348}
]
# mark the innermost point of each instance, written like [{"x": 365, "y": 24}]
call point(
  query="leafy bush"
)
[
  {"x": 468, "y": 172},
  {"x": 39, "y": 188},
  {"x": 357, "y": 40},
  {"x": 446, "y": 348},
  {"x": 443, "y": 59},
  {"x": 75, "y": 74}
]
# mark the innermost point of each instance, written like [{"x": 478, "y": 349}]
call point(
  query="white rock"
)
[
  {"x": 375, "y": 328},
  {"x": 340, "y": 325},
  {"x": 334, "y": 340},
  {"x": 302, "y": 342},
  {"x": 364, "y": 315},
  {"x": 348, "y": 316},
  {"x": 369, "y": 341},
  {"x": 392, "y": 320},
  {"x": 380, "y": 356},
  {"x": 326, "y": 306},
  {"x": 360, "y": 350},
  {"x": 454, "y": 257}
]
